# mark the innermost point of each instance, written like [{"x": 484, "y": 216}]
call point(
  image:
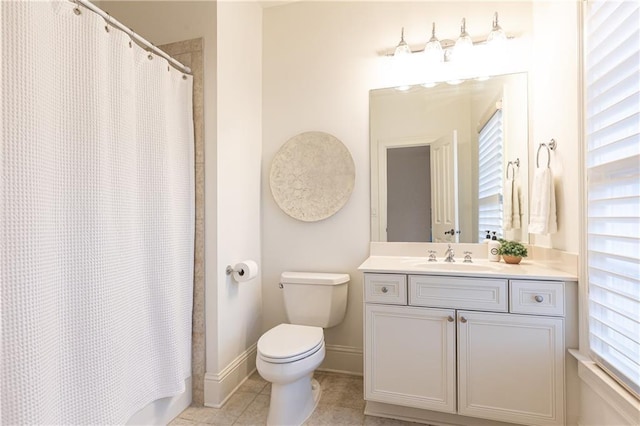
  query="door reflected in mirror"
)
[{"x": 449, "y": 163}]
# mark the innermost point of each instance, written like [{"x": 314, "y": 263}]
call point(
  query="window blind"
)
[
  {"x": 612, "y": 77},
  {"x": 490, "y": 177}
]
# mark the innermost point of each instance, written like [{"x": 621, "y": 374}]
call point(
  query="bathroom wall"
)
[
  {"x": 320, "y": 59},
  {"x": 234, "y": 310}
]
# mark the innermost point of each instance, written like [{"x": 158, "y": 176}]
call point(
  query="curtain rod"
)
[{"x": 135, "y": 37}]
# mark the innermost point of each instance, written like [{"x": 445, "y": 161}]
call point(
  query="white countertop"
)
[{"x": 479, "y": 268}]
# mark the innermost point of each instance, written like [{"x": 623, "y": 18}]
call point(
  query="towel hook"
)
[
  {"x": 513, "y": 165},
  {"x": 513, "y": 172},
  {"x": 551, "y": 146}
]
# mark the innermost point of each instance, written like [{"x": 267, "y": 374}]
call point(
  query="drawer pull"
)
[
  {"x": 385, "y": 290},
  {"x": 450, "y": 319},
  {"x": 539, "y": 299},
  {"x": 463, "y": 320}
]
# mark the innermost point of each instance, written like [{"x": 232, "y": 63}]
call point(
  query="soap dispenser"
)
[
  {"x": 494, "y": 245},
  {"x": 487, "y": 238}
]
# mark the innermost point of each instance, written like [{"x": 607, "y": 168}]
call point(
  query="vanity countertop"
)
[{"x": 479, "y": 268}]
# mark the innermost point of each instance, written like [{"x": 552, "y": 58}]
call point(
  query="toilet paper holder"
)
[
  {"x": 243, "y": 271},
  {"x": 230, "y": 270}
]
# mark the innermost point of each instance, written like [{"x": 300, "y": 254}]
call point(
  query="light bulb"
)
[
  {"x": 433, "y": 49},
  {"x": 403, "y": 48},
  {"x": 464, "y": 44},
  {"x": 497, "y": 36}
]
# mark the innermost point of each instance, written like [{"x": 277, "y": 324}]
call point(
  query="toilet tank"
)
[{"x": 315, "y": 298}]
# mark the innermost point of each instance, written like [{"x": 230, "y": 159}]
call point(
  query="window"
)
[
  {"x": 612, "y": 78},
  {"x": 490, "y": 177}
]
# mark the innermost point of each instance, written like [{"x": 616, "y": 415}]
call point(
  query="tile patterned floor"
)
[{"x": 341, "y": 404}]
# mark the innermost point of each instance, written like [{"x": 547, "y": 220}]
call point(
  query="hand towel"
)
[
  {"x": 507, "y": 205},
  {"x": 516, "y": 204},
  {"x": 543, "y": 203}
]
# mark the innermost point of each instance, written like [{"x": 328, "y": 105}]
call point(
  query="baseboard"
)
[
  {"x": 614, "y": 398},
  {"x": 416, "y": 415},
  {"x": 219, "y": 387},
  {"x": 342, "y": 359}
]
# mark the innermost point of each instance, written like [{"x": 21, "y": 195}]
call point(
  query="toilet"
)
[{"x": 288, "y": 354}]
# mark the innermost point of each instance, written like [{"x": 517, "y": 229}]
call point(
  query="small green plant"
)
[{"x": 512, "y": 248}]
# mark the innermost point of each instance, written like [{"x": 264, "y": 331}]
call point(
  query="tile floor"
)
[{"x": 341, "y": 404}]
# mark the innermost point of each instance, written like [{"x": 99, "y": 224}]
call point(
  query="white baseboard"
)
[
  {"x": 342, "y": 359},
  {"x": 416, "y": 415},
  {"x": 615, "y": 401},
  {"x": 219, "y": 387}
]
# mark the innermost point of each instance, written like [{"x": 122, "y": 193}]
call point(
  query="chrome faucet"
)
[
  {"x": 449, "y": 255},
  {"x": 432, "y": 256}
]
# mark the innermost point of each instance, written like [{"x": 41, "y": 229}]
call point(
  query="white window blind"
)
[
  {"x": 490, "y": 176},
  {"x": 612, "y": 77}
]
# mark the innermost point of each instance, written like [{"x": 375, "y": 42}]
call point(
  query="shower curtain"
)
[{"x": 96, "y": 219}]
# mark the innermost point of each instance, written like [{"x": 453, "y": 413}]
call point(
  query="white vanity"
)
[{"x": 458, "y": 343}]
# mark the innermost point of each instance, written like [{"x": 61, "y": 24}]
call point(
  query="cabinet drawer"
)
[
  {"x": 458, "y": 293},
  {"x": 537, "y": 297},
  {"x": 385, "y": 288}
]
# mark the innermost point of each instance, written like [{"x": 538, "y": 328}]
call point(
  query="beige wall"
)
[{"x": 238, "y": 308}]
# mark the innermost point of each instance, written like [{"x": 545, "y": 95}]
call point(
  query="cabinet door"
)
[
  {"x": 511, "y": 368},
  {"x": 410, "y": 356}
]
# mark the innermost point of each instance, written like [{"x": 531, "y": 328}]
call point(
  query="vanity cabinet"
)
[{"x": 487, "y": 348}]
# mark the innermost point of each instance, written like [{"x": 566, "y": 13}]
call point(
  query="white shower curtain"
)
[{"x": 96, "y": 220}]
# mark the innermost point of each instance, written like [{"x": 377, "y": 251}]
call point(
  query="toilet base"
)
[{"x": 303, "y": 394}]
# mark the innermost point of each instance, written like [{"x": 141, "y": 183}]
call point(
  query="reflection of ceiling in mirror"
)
[{"x": 312, "y": 176}]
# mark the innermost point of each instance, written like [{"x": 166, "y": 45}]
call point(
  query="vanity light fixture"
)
[
  {"x": 449, "y": 60},
  {"x": 449, "y": 47}
]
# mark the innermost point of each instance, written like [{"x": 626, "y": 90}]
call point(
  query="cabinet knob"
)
[
  {"x": 463, "y": 320},
  {"x": 450, "y": 319},
  {"x": 539, "y": 299},
  {"x": 385, "y": 290}
]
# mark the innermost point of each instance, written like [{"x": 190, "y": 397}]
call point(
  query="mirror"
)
[{"x": 450, "y": 162}]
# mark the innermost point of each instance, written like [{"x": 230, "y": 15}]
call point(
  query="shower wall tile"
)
[
  {"x": 180, "y": 47},
  {"x": 200, "y": 192},
  {"x": 197, "y": 67},
  {"x": 189, "y": 53}
]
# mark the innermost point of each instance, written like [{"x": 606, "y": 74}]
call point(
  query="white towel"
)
[
  {"x": 543, "y": 203},
  {"x": 516, "y": 203},
  {"x": 507, "y": 205}
]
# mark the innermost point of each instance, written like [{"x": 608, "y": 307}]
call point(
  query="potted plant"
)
[{"x": 512, "y": 251}]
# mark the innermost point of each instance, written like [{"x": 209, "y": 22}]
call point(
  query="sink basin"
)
[
  {"x": 458, "y": 267},
  {"x": 454, "y": 267}
]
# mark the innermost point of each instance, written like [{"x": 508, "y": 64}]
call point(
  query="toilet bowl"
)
[{"x": 288, "y": 354}]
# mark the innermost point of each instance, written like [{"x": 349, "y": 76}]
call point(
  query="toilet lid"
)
[{"x": 287, "y": 341}]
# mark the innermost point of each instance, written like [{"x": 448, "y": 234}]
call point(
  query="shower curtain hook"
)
[
  {"x": 131, "y": 36},
  {"x": 107, "y": 22},
  {"x": 76, "y": 9}
]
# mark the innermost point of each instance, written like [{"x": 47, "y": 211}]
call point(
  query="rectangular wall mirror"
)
[{"x": 445, "y": 161}]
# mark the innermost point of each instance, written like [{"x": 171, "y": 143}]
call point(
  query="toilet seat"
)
[{"x": 287, "y": 343}]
